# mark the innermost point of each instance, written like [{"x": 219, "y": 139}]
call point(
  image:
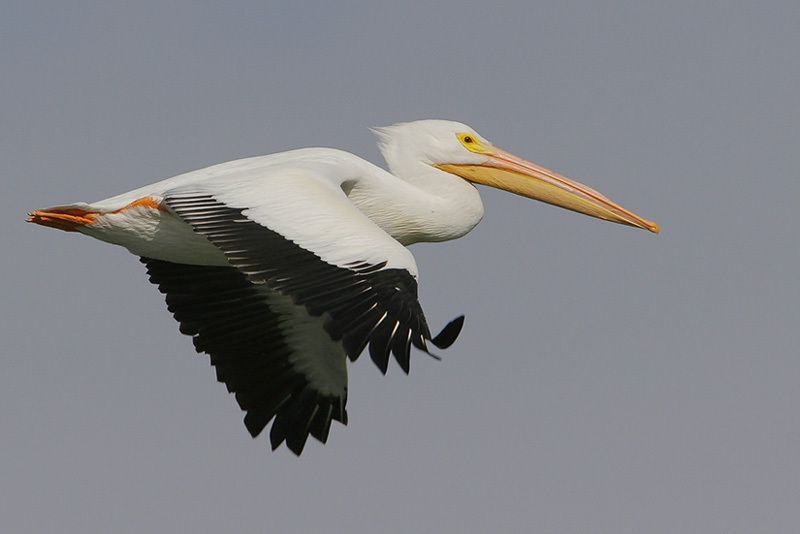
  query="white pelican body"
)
[
  {"x": 293, "y": 184},
  {"x": 283, "y": 266}
]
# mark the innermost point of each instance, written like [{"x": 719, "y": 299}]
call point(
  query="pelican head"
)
[{"x": 457, "y": 149}]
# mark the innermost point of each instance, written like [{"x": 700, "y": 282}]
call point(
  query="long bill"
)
[{"x": 506, "y": 171}]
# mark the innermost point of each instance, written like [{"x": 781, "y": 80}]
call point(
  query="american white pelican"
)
[{"x": 283, "y": 266}]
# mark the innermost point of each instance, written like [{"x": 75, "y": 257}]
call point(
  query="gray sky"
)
[{"x": 607, "y": 380}]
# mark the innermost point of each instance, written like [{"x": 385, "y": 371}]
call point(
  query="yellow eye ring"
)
[{"x": 472, "y": 143}]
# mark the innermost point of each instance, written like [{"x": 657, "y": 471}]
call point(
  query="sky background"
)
[{"x": 607, "y": 380}]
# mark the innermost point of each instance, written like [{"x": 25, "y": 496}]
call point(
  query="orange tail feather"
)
[{"x": 69, "y": 219}]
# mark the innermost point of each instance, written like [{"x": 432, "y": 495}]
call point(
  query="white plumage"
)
[{"x": 282, "y": 266}]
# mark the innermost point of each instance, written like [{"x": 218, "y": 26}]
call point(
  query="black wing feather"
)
[
  {"x": 231, "y": 320},
  {"x": 228, "y": 314},
  {"x": 355, "y": 296}
]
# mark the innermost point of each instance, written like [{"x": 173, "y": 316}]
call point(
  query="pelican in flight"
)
[{"x": 282, "y": 267}]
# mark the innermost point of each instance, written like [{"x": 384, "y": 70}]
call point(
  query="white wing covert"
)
[{"x": 306, "y": 264}]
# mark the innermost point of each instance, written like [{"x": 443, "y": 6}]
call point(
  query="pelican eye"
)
[{"x": 472, "y": 143}]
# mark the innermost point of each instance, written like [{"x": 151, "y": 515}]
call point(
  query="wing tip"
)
[{"x": 449, "y": 333}]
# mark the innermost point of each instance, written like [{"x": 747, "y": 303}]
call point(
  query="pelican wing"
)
[
  {"x": 312, "y": 281},
  {"x": 257, "y": 340}
]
